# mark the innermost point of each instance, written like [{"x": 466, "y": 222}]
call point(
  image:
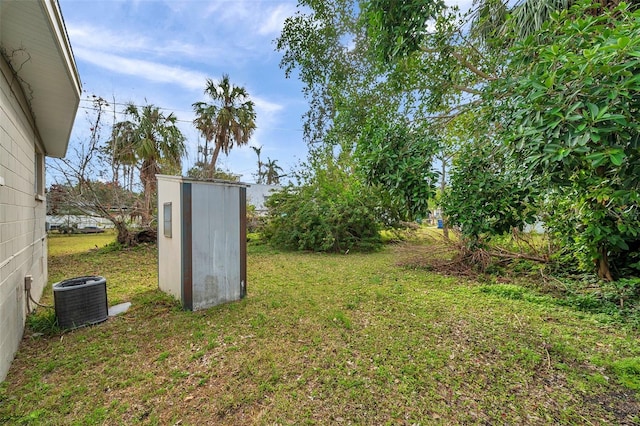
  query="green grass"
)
[
  {"x": 61, "y": 244},
  {"x": 322, "y": 339}
]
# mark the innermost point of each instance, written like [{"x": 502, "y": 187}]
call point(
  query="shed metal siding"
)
[
  {"x": 216, "y": 248},
  {"x": 203, "y": 263}
]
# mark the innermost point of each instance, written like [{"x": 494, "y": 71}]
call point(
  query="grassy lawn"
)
[{"x": 321, "y": 339}]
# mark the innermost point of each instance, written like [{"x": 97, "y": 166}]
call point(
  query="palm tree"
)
[
  {"x": 228, "y": 120},
  {"x": 157, "y": 144},
  {"x": 121, "y": 148},
  {"x": 272, "y": 172},
  {"x": 527, "y": 16},
  {"x": 258, "y": 150}
]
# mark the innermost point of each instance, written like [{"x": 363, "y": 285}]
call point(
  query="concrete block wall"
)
[{"x": 23, "y": 245}]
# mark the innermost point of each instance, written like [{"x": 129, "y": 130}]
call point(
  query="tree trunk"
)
[
  {"x": 124, "y": 236},
  {"x": 602, "y": 263},
  {"x": 214, "y": 159},
  {"x": 445, "y": 226},
  {"x": 148, "y": 177},
  {"x": 260, "y": 175}
]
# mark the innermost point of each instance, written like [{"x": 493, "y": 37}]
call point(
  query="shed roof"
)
[
  {"x": 185, "y": 179},
  {"x": 34, "y": 38}
]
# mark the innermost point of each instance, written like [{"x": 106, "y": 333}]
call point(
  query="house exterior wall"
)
[
  {"x": 258, "y": 193},
  {"x": 23, "y": 246}
]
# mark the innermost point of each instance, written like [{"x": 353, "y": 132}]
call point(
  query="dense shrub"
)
[
  {"x": 487, "y": 197},
  {"x": 255, "y": 220},
  {"x": 323, "y": 215}
]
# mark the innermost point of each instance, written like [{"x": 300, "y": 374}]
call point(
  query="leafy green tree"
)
[
  {"x": 575, "y": 99},
  {"x": 157, "y": 144},
  {"x": 320, "y": 44},
  {"x": 488, "y": 196},
  {"x": 570, "y": 99},
  {"x": 452, "y": 136},
  {"x": 501, "y": 23},
  {"x": 202, "y": 170},
  {"x": 430, "y": 52},
  {"x": 229, "y": 120},
  {"x": 399, "y": 28},
  {"x": 396, "y": 157},
  {"x": 351, "y": 98}
]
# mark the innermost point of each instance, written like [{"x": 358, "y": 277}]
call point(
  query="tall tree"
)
[
  {"x": 157, "y": 143},
  {"x": 557, "y": 78},
  {"x": 351, "y": 99},
  {"x": 121, "y": 148},
  {"x": 260, "y": 175},
  {"x": 229, "y": 120},
  {"x": 320, "y": 44},
  {"x": 272, "y": 172}
]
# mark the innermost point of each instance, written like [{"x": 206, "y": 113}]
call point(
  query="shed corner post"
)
[
  {"x": 187, "y": 246},
  {"x": 243, "y": 242}
]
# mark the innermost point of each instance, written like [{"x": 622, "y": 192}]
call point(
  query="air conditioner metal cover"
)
[{"x": 81, "y": 301}]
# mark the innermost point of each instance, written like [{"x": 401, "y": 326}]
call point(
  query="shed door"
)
[{"x": 216, "y": 256}]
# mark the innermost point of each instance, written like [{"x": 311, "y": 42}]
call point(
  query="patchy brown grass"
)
[{"x": 322, "y": 339}]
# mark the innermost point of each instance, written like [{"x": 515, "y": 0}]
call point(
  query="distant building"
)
[
  {"x": 39, "y": 96},
  {"x": 55, "y": 222},
  {"x": 258, "y": 193}
]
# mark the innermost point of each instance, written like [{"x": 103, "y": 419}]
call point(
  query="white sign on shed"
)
[{"x": 202, "y": 240}]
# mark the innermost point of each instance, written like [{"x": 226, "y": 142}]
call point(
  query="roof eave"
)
[{"x": 49, "y": 78}]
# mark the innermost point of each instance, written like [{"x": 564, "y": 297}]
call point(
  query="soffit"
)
[{"x": 34, "y": 39}]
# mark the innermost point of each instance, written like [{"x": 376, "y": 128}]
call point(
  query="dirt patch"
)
[{"x": 623, "y": 404}]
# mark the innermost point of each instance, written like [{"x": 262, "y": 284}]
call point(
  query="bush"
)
[
  {"x": 488, "y": 195},
  {"x": 326, "y": 216},
  {"x": 255, "y": 221}
]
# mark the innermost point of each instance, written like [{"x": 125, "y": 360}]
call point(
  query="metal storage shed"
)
[{"x": 202, "y": 240}]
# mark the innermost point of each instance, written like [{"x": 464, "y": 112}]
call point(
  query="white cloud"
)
[
  {"x": 162, "y": 52},
  {"x": 102, "y": 39},
  {"x": 98, "y": 38},
  {"x": 148, "y": 70},
  {"x": 230, "y": 12},
  {"x": 208, "y": 33},
  {"x": 274, "y": 20},
  {"x": 266, "y": 106}
]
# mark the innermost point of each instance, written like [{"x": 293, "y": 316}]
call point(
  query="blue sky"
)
[{"x": 161, "y": 52}]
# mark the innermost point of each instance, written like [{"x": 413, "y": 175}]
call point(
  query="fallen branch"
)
[{"x": 503, "y": 254}]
